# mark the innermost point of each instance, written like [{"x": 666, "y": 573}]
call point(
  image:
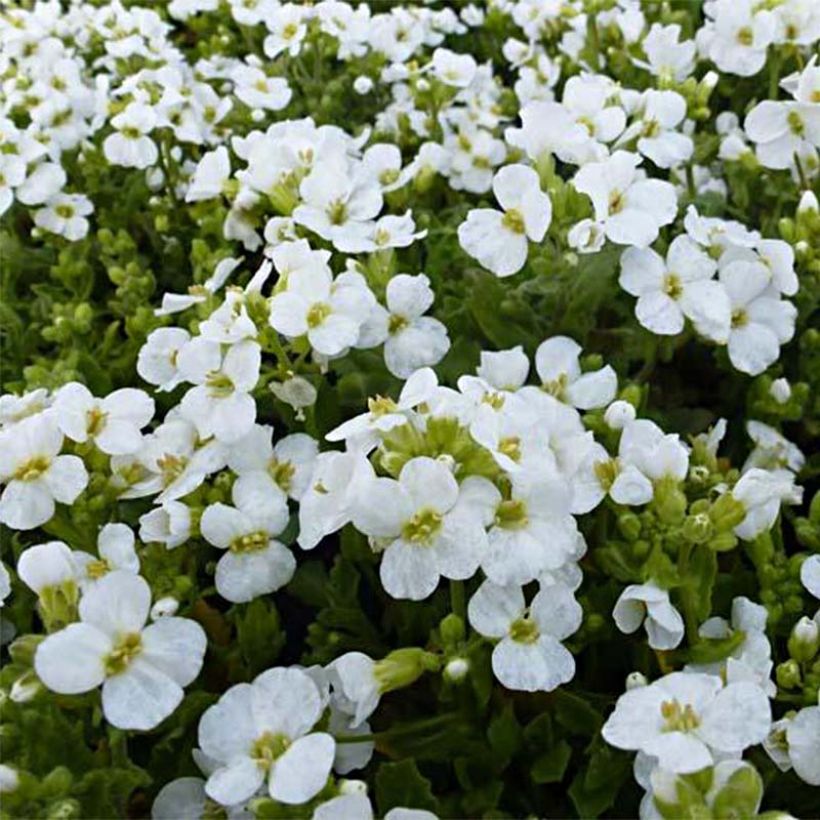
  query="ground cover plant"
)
[{"x": 409, "y": 411}]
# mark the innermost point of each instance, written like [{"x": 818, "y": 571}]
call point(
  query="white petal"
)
[
  {"x": 493, "y": 608},
  {"x": 175, "y": 646},
  {"x": 117, "y": 604},
  {"x": 141, "y": 697},
  {"x": 409, "y": 570},
  {"x": 303, "y": 769},
  {"x": 235, "y": 782},
  {"x": 740, "y": 716},
  {"x": 72, "y": 660},
  {"x": 537, "y": 667}
]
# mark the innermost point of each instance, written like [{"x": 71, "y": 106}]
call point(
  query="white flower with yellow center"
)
[{"x": 142, "y": 669}]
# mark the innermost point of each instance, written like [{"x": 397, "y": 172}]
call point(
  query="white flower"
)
[
  {"x": 649, "y": 605},
  {"x": 114, "y": 423},
  {"x": 803, "y": 737},
  {"x": 499, "y": 241},
  {"x": 329, "y": 312},
  {"x": 761, "y": 321},
  {"x": 781, "y": 130},
  {"x": 142, "y": 669},
  {"x": 453, "y": 69},
  {"x": 661, "y": 113},
  {"x": 35, "y": 474},
  {"x": 363, "y": 432},
  {"x": 65, "y": 215},
  {"x": 169, "y": 524},
  {"x": 557, "y": 362},
  {"x": 285, "y": 468},
  {"x": 254, "y": 563},
  {"x": 630, "y": 209},
  {"x": 220, "y": 404},
  {"x": 157, "y": 360},
  {"x": 260, "y": 733},
  {"x": 685, "y": 720},
  {"x": 532, "y": 531},
  {"x": 411, "y": 339},
  {"x": 668, "y": 57},
  {"x": 287, "y": 28},
  {"x": 257, "y": 90},
  {"x": 334, "y": 203},
  {"x": 529, "y": 655},
  {"x": 48, "y": 566},
  {"x": 325, "y": 505},
  {"x": 741, "y": 34},
  {"x": 762, "y": 492},
  {"x": 427, "y": 524},
  {"x": 356, "y": 689},
  {"x": 682, "y": 286},
  {"x": 115, "y": 545},
  {"x": 772, "y": 449},
  {"x": 210, "y": 176},
  {"x": 128, "y": 145}
]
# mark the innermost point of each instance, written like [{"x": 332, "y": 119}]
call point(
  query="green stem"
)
[
  {"x": 689, "y": 616},
  {"x": 457, "y": 600}
]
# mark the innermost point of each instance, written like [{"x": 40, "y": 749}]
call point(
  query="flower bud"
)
[
  {"x": 788, "y": 674},
  {"x": 362, "y": 84},
  {"x": 403, "y": 667},
  {"x": 452, "y": 630},
  {"x": 164, "y": 607},
  {"x": 634, "y": 680},
  {"x": 352, "y": 787},
  {"x": 456, "y": 670},
  {"x": 780, "y": 390},
  {"x": 25, "y": 688},
  {"x": 9, "y": 779},
  {"x": 804, "y": 640},
  {"x": 808, "y": 202},
  {"x": 619, "y": 414}
]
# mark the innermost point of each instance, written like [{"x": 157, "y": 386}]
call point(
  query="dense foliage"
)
[{"x": 409, "y": 410}]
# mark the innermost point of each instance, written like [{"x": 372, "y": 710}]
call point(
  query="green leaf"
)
[
  {"x": 504, "y": 734},
  {"x": 401, "y": 784},
  {"x": 551, "y": 766},
  {"x": 259, "y": 634},
  {"x": 575, "y": 714}
]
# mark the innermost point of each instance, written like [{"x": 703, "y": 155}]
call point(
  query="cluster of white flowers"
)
[{"x": 475, "y": 478}]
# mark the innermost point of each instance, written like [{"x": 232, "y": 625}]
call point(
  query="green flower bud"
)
[
  {"x": 629, "y": 525},
  {"x": 697, "y": 528},
  {"x": 804, "y": 640},
  {"x": 669, "y": 501},
  {"x": 787, "y": 674},
  {"x": 403, "y": 667},
  {"x": 23, "y": 648},
  {"x": 452, "y": 630},
  {"x": 727, "y": 512}
]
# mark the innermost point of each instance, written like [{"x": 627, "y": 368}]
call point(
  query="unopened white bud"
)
[
  {"x": 619, "y": 414},
  {"x": 780, "y": 390},
  {"x": 457, "y": 669},
  {"x": 164, "y": 607},
  {"x": 634, "y": 680},
  {"x": 808, "y": 202},
  {"x": 362, "y": 84},
  {"x": 352, "y": 787}
]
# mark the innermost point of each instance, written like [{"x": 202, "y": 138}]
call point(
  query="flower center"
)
[
  {"x": 131, "y": 133},
  {"x": 124, "y": 652},
  {"x": 511, "y": 514},
  {"x": 524, "y": 630},
  {"x": 556, "y": 387},
  {"x": 318, "y": 313},
  {"x": 495, "y": 400},
  {"x": 267, "y": 748},
  {"x": 740, "y": 318},
  {"x": 396, "y": 324},
  {"x": 678, "y": 718},
  {"x": 64, "y": 211},
  {"x": 616, "y": 202},
  {"x": 651, "y": 128},
  {"x": 606, "y": 472},
  {"x": 171, "y": 467},
  {"x": 281, "y": 472},
  {"x": 218, "y": 384},
  {"x": 95, "y": 421},
  {"x": 421, "y": 528},
  {"x": 672, "y": 286},
  {"x": 289, "y": 31},
  {"x": 32, "y": 469},
  {"x": 96, "y": 569},
  {"x": 381, "y": 406},
  {"x": 745, "y": 36},
  {"x": 388, "y": 176},
  {"x": 513, "y": 221},
  {"x": 337, "y": 212},
  {"x": 796, "y": 124},
  {"x": 510, "y": 447},
  {"x": 250, "y": 542}
]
